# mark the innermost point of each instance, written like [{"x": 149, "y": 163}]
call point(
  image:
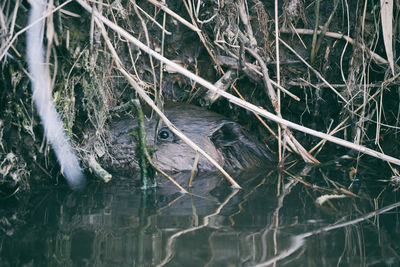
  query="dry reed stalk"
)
[
  {"x": 162, "y": 27},
  {"x": 278, "y": 76},
  {"x": 374, "y": 56},
  {"x": 164, "y": 8}
]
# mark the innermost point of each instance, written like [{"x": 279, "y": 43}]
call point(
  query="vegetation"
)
[{"x": 326, "y": 68}]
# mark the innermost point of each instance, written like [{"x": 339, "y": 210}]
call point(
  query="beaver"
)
[{"x": 225, "y": 141}]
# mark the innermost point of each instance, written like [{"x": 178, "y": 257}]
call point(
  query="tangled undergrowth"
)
[{"x": 330, "y": 66}]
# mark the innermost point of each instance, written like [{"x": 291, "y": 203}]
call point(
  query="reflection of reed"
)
[
  {"x": 246, "y": 197},
  {"x": 286, "y": 189},
  {"x": 298, "y": 241},
  {"x": 206, "y": 221}
]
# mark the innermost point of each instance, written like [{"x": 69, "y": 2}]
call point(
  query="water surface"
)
[{"x": 266, "y": 222}]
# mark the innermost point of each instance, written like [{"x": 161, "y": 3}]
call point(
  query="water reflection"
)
[{"x": 119, "y": 225}]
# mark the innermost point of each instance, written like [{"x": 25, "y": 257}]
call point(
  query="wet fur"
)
[{"x": 223, "y": 140}]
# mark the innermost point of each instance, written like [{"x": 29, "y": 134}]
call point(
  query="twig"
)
[
  {"x": 194, "y": 169},
  {"x": 278, "y": 77},
  {"x": 336, "y": 85},
  {"x": 233, "y": 63},
  {"x": 153, "y": 20},
  {"x": 326, "y": 26},
  {"x": 223, "y": 84},
  {"x": 316, "y": 24},
  {"x": 374, "y": 56},
  {"x": 97, "y": 170},
  {"x": 164, "y": 8},
  {"x": 245, "y": 20},
  {"x": 146, "y": 34}
]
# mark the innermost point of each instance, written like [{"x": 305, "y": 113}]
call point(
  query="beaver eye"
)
[{"x": 164, "y": 134}]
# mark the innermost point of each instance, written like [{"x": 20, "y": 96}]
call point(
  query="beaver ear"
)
[
  {"x": 226, "y": 135},
  {"x": 238, "y": 149}
]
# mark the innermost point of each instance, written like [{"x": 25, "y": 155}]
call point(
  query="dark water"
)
[{"x": 117, "y": 224}]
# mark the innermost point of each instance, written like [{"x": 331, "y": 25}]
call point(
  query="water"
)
[{"x": 117, "y": 224}]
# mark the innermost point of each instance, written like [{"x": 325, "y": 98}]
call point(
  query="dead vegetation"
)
[{"x": 326, "y": 68}]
